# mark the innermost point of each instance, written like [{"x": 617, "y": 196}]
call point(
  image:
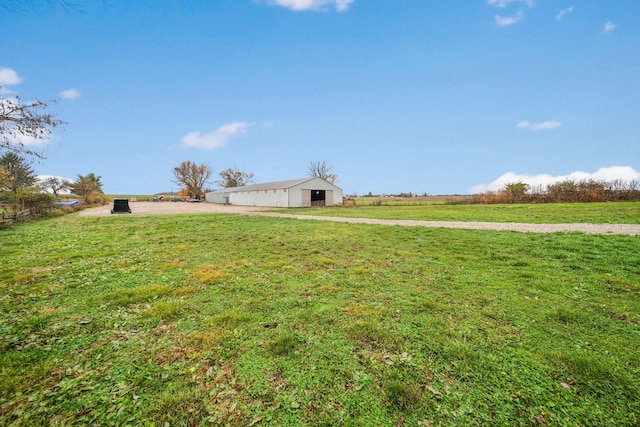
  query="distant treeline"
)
[{"x": 566, "y": 191}]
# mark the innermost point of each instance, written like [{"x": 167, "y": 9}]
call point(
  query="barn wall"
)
[
  {"x": 277, "y": 198},
  {"x": 295, "y": 196},
  {"x": 298, "y": 198},
  {"x": 337, "y": 195},
  {"x": 216, "y": 197},
  {"x": 303, "y": 195}
]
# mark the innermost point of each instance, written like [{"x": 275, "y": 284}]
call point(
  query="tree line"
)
[
  {"x": 565, "y": 191},
  {"x": 21, "y": 189},
  {"x": 195, "y": 178}
]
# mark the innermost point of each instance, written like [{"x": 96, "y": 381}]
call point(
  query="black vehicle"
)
[{"x": 121, "y": 206}]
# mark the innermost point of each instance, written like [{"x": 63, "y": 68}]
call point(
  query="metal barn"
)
[{"x": 294, "y": 193}]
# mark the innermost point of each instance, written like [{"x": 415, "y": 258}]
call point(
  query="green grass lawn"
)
[
  {"x": 550, "y": 213},
  {"x": 219, "y": 319}
]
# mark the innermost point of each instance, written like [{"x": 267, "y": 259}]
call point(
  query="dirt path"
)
[
  {"x": 151, "y": 208},
  {"x": 170, "y": 208},
  {"x": 629, "y": 229}
]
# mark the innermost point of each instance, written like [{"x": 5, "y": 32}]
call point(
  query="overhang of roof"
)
[{"x": 267, "y": 185}]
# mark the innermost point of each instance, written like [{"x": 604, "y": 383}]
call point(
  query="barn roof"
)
[{"x": 267, "y": 185}]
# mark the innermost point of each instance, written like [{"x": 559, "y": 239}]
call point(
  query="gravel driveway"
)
[
  {"x": 156, "y": 208},
  {"x": 168, "y": 208}
]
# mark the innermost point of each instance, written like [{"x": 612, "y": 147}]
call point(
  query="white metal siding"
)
[
  {"x": 216, "y": 197},
  {"x": 276, "y": 198},
  {"x": 296, "y": 193},
  {"x": 333, "y": 194},
  {"x": 299, "y": 198},
  {"x": 328, "y": 198}
]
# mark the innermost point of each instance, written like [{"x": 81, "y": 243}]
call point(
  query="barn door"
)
[
  {"x": 318, "y": 197},
  {"x": 306, "y": 198},
  {"x": 328, "y": 200}
]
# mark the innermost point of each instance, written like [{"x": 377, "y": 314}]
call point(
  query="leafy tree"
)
[
  {"x": 30, "y": 198},
  {"x": 516, "y": 191},
  {"x": 321, "y": 170},
  {"x": 22, "y": 123},
  {"x": 55, "y": 184},
  {"x": 16, "y": 173},
  {"x": 591, "y": 190},
  {"x": 89, "y": 187},
  {"x": 233, "y": 177},
  {"x": 562, "y": 190},
  {"x": 193, "y": 177}
]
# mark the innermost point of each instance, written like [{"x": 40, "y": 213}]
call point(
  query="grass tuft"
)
[
  {"x": 164, "y": 310},
  {"x": 135, "y": 295},
  {"x": 369, "y": 334},
  {"x": 207, "y": 274},
  {"x": 284, "y": 345},
  {"x": 402, "y": 396}
]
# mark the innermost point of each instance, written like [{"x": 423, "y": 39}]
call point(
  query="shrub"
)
[
  {"x": 566, "y": 191},
  {"x": 28, "y": 198}
]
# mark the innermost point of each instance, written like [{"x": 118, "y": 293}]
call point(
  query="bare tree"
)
[
  {"x": 193, "y": 177},
  {"x": 22, "y": 123},
  {"x": 55, "y": 184},
  {"x": 233, "y": 177},
  {"x": 321, "y": 170}
]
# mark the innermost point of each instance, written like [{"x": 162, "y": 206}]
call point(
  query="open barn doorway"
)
[{"x": 318, "y": 197}]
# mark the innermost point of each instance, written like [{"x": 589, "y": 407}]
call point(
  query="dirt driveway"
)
[
  {"x": 167, "y": 208},
  {"x": 157, "y": 208}
]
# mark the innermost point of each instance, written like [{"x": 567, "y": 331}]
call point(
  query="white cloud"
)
[
  {"x": 69, "y": 94},
  {"x": 608, "y": 174},
  {"x": 505, "y": 21},
  {"x": 552, "y": 124},
  {"x": 608, "y": 27},
  {"x": 217, "y": 138},
  {"x": 505, "y": 3},
  {"x": 564, "y": 12},
  {"x": 616, "y": 172},
  {"x": 300, "y": 5},
  {"x": 9, "y": 77},
  {"x": 342, "y": 5},
  {"x": 29, "y": 141},
  {"x": 499, "y": 3}
]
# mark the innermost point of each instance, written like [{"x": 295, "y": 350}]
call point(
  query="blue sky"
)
[{"x": 422, "y": 96}]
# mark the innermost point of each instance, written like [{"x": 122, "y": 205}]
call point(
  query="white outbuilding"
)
[{"x": 294, "y": 193}]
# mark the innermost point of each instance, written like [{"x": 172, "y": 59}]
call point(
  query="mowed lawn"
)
[
  {"x": 544, "y": 213},
  {"x": 210, "y": 319}
]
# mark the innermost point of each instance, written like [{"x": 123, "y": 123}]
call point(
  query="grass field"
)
[
  {"x": 549, "y": 213},
  {"x": 206, "y": 319}
]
